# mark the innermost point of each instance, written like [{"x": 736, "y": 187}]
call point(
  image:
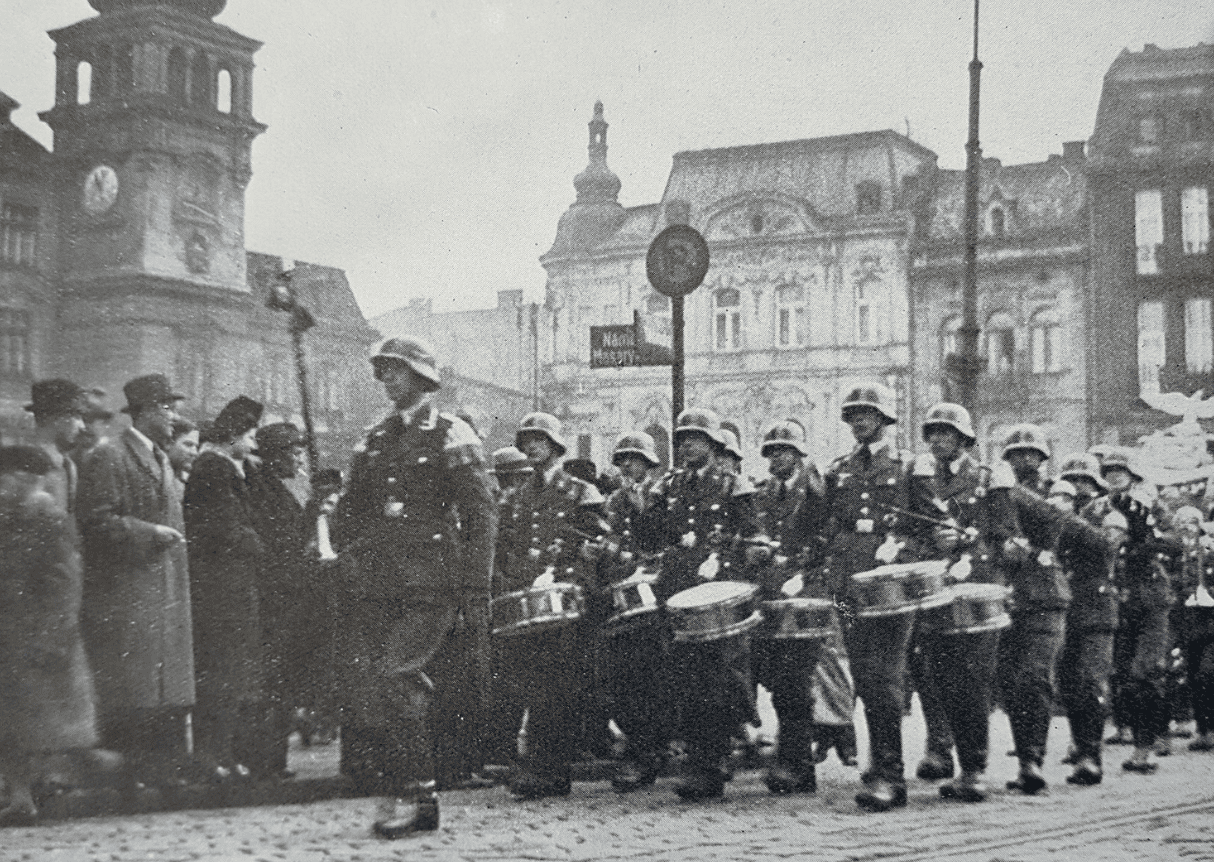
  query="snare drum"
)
[
  {"x": 974, "y": 608},
  {"x": 900, "y": 588},
  {"x": 633, "y": 601},
  {"x": 536, "y": 609},
  {"x": 799, "y": 619},
  {"x": 711, "y": 611}
]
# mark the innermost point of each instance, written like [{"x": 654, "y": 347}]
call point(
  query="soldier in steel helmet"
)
[
  {"x": 553, "y": 533},
  {"x": 637, "y": 658},
  {"x": 862, "y": 530},
  {"x": 975, "y": 515},
  {"x": 414, "y": 534},
  {"x": 702, "y": 519}
]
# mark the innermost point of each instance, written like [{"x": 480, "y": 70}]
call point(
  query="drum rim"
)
[
  {"x": 724, "y": 602},
  {"x": 537, "y": 622},
  {"x": 994, "y": 624},
  {"x": 564, "y": 586},
  {"x": 755, "y": 619},
  {"x": 794, "y": 601}
]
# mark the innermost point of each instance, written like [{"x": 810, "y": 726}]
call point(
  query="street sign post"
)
[{"x": 676, "y": 264}]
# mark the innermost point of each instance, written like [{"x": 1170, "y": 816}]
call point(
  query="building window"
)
[
  {"x": 1148, "y": 229},
  {"x": 223, "y": 91},
  {"x": 728, "y": 319},
  {"x": 949, "y": 343},
  {"x": 1149, "y": 129},
  {"x": 1000, "y": 344},
  {"x": 329, "y": 396},
  {"x": 1152, "y": 347},
  {"x": 1192, "y": 125},
  {"x": 656, "y": 321},
  {"x": 790, "y": 315},
  {"x": 14, "y": 343},
  {"x": 1195, "y": 224},
  {"x": 19, "y": 233},
  {"x": 84, "y": 83},
  {"x": 177, "y": 68},
  {"x": 1198, "y": 336},
  {"x": 200, "y": 81},
  {"x": 1046, "y": 341},
  {"x": 998, "y": 222},
  {"x": 869, "y": 302},
  {"x": 868, "y": 198}
]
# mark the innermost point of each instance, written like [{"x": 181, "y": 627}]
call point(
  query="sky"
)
[{"x": 429, "y": 148}]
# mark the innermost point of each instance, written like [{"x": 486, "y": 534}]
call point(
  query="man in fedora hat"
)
[
  {"x": 57, "y": 406},
  {"x": 137, "y": 621}
]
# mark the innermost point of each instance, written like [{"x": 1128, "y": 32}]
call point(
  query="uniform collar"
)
[
  {"x": 551, "y": 472},
  {"x": 423, "y": 409}
]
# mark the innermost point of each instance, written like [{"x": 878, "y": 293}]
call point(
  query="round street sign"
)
[{"x": 677, "y": 260}]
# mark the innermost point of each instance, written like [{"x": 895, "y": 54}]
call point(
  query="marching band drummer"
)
[
  {"x": 697, "y": 514},
  {"x": 862, "y": 532},
  {"x": 947, "y": 483},
  {"x": 553, "y": 533},
  {"x": 786, "y": 667}
]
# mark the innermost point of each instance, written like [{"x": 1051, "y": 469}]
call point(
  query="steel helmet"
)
[
  {"x": 875, "y": 395},
  {"x": 1026, "y": 436},
  {"x": 786, "y": 432},
  {"x": 636, "y": 443},
  {"x": 1083, "y": 464},
  {"x": 1120, "y": 458},
  {"x": 700, "y": 419},
  {"x": 732, "y": 446},
  {"x": 953, "y": 416},
  {"x": 508, "y": 459},
  {"x": 544, "y": 424},
  {"x": 414, "y": 352}
]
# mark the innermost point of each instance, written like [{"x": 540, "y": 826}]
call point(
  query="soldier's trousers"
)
[
  {"x": 1141, "y": 656},
  {"x": 786, "y": 668},
  {"x": 877, "y": 647},
  {"x": 714, "y": 694},
  {"x": 1084, "y": 666},
  {"x": 1199, "y": 657},
  {"x": 962, "y": 670},
  {"x": 638, "y": 671},
  {"x": 1027, "y": 652},
  {"x": 923, "y": 677}
]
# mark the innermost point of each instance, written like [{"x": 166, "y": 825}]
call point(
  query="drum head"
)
[
  {"x": 898, "y": 570},
  {"x": 982, "y": 592},
  {"x": 711, "y": 593}
]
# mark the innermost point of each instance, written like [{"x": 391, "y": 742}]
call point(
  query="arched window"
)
[
  {"x": 223, "y": 91},
  {"x": 661, "y": 444},
  {"x": 124, "y": 68},
  {"x": 727, "y": 329},
  {"x": 948, "y": 338},
  {"x": 790, "y": 315},
  {"x": 1000, "y": 344},
  {"x": 1045, "y": 341},
  {"x": 200, "y": 81},
  {"x": 84, "y": 83},
  {"x": 177, "y": 68}
]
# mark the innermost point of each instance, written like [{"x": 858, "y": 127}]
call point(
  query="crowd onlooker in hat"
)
[
  {"x": 57, "y": 406},
  {"x": 289, "y": 607},
  {"x": 47, "y": 701},
  {"x": 225, "y": 556},
  {"x": 183, "y": 449},
  {"x": 511, "y": 468},
  {"x": 136, "y": 615},
  {"x": 96, "y": 422}
]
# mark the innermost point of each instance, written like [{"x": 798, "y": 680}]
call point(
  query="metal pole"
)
[
  {"x": 676, "y": 365},
  {"x": 301, "y": 371},
  {"x": 968, "y": 366}
]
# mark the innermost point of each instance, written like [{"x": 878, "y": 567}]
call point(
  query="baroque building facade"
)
[
  {"x": 806, "y": 292},
  {"x": 124, "y": 245}
]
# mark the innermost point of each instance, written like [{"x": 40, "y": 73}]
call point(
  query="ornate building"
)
[
  {"x": 807, "y": 290},
  {"x": 124, "y": 247}
]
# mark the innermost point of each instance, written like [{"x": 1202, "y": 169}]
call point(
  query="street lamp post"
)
[
  {"x": 966, "y": 365},
  {"x": 283, "y": 298}
]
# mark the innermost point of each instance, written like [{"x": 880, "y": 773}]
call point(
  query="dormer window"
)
[
  {"x": 868, "y": 198},
  {"x": 1150, "y": 128}
]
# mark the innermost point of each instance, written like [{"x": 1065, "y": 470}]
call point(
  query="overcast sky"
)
[{"x": 429, "y": 148}]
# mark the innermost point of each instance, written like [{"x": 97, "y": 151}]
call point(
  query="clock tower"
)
[{"x": 153, "y": 129}]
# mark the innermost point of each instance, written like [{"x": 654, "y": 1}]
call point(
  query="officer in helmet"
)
[
  {"x": 552, "y": 532},
  {"x": 414, "y": 534},
  {"x": 701, "y": 518},
  {"x": 731, "y": 452},
  {"x": 1082, "y": 470}
]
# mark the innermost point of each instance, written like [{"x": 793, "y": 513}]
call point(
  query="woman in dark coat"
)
[
  {"x": 225, "y": 556},
  {"x": 46, "y": 690}
]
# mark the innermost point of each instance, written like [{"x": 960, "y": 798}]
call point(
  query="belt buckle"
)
[{"x": 865, "y": 525}]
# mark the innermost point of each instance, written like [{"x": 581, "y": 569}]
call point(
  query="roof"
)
[
  {"x": 1157, "y": 64},
  {"x": 17, "y": 149},
  {"x": 322, "y": 290}
]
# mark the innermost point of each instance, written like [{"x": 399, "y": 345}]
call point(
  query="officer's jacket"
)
[
  {"x": 624, "y": 518},
  {"x": 546, "y": 527},
  {"x": 863, "y": 492},
  {"x": 777, "y": 505},
  {"x": 1038, "y": 581},
  {"x": 1090, "y": 568},
  {"x": 418, "y": 512},
  {"x": 1143, "y": 562},
  {"x": 963, "y": 492},
  {"x": 693, "y": 514}
]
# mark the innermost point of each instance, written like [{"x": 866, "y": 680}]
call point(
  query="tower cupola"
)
[{"x": 597, "y": 184}]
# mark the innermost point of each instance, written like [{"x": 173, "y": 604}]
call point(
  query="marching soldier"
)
[
  {"x": 1082, "y": 470},
  {"x": 701, "y": 517},
  {"x": 787, "y": 667},
  {"x": 414, "y": 532},
  {"x": 863, "y": 530},
  {"x": 948, "y": 484},
  {"x": 1196, "y": 578},
  {"x": 638, "y": 658},
  {"x": 552, "y": 535}
]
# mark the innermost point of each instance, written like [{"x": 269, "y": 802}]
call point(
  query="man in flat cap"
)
[
  {"x": 58, "y": 406},
  {"x": 137, "y": 621},
  {"x": 414, "y": 533}
]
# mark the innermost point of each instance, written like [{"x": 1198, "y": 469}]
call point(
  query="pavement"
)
[{"x": 1167, "y": 816}]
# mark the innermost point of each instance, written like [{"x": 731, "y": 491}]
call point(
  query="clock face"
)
[{"x": 100, "y": 189}]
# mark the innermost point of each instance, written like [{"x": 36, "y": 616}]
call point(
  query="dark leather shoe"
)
[
  {"x": 969, "y": 787},
  {"x": 1141, "y": 767},
  {"x": 1204, "y": 742},
  {"x": 526, "y": 785},
  {"x": 1030, "y": 781},
  {"x": 881, "y": 795},
  {"x": 935, "y": 767},
  {"x": 1086, "y": 773},
  {"x": 701, "y": 784},
  {"x": 634, "y": 775},
  {"x": 782, "y": 779},
  {"x": 424, "y": 818},
  {"x": 17, "y": 817}
]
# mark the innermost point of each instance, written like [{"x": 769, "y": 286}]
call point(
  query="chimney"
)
[{"x": 1072, "y": 151}]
